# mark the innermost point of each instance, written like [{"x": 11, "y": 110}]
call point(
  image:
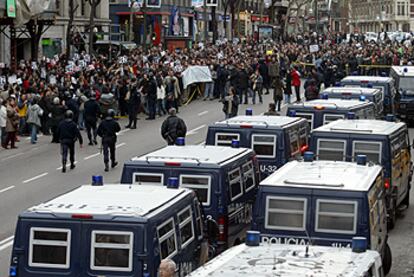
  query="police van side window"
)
[
  {"x": 148, "y": 178},
  {"x": 225, "y": 139},
  {"x": 248, "y": 176},
  {"x": 285, "y": 213},
  {"x": 112, "y": 250},
  {"x": 372, "y": 149},
  {"x": 264, "y": 145},
  {"x": 199, "y": 218},
  {"x": 49, "y": 248},
  {"x": 336, "y": 216},
  {"x": 201, "y": 184},
  {"x": 235, "y": 183},
  {"x": 185, "y": 221},
  {"x": 327, "y": 118},
  {"x": 167, "y": 239},
  {"x": 331, "y": 150}
]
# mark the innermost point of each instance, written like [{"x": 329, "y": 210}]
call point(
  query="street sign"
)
[{"x": 211, "y": 3}]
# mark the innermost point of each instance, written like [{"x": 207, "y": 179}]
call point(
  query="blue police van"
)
[
  {"x": 404, "y": 83},
  {"x": 322, "y": 111},
  {"x": 109, "y": 230},
  {"x": 275, "y": 139},
  {"x": 225, "y": 180},
  {"x": 383, "y": 142},
  {"x": 385, "y": 84},
  {"x": 324, "y": 203},
  {"x": 373, "y": 95}
]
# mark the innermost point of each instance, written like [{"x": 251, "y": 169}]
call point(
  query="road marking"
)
[
  {"x": 120, "y": 145},
  {"x": 6, "y": 189},
  {"x": 4, "y": 244},
  {"x": 203, "y": 113},
  {"x": 120, "y": 133},
  {"x": 59, "y": 168},
  {"x": 35, "y": 178},
  {"x": 91, "y": 156},
  {"x": 12, "y": 156},
  {"x": 194, "y": 131}
]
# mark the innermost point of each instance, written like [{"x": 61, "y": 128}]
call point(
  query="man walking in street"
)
[
  {"x": 68, "y": 133},
  {"x": 173, "y": 127},
  {"x": 107, "y": 131},
  {"x": 134, "y": 101},
  {"x": 91, "y": 111}
]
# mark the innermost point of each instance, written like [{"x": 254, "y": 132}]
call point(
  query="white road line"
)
[
  {"x": 120, "y": 133},
  {"x": 194, "y": 131},
  {"x": 59, "y": 168},
  {"x": 203, "y": 113},
  {"x": 92, "y": 156},
  {"x": 4, "y": 244},
  {"x": 6, "y": 189},
  {"x": 12, "y": 156},
  {"x": 35, "y": 178},
  {"x": 120, "y": 145}
]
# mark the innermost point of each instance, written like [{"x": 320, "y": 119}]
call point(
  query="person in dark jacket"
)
[
  {"x": 68, "y": 133},
  {"x": 173, "y": 127},
  {"x": 57, "y": 114},
  {"x": 231, "y": 104},
  {"x": 243, "y": 84},
  {"x": 134, "y": 101},
  {"x": 107, "y": 131},
  {"x": 92, "y": 111}
]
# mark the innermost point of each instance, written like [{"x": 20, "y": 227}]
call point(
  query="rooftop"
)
[
  {"x": 366, "y": 79},
  {"x": 324, "y": 175},
  {"x": 111, "y": 200},
  {"x": 351, "y": 90},
  {"x": 259, "y": 121},
  {"x": 287, "y": 261},
  {"x": 193, "y": 155},
  {"x": 331, "y": 104},
  {"x": 363, "y": 126}
]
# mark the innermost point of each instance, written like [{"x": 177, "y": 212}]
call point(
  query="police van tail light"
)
[
  {"x": 222, "y": 226},
  {"x": 82, "y": 216},
  {"x": 387, "y": 183},
  {"x": 304, "y": 148},
  {"x": 172, "y": 164}
]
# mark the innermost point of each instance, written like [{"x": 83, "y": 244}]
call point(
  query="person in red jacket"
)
[{"x": 296, "y": 82}]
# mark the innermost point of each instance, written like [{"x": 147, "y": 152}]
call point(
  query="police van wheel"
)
[
  {"x": 387, "y": 259},
  {"x": 392, "y": 218}
]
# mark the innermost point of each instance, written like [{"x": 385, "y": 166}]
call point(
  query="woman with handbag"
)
[{"x": 12, "y": 123}]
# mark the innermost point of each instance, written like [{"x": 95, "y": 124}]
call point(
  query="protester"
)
[
  {"x": 167, "y": 268},
  {"x": 133, "y": 100},
  {"x": 34, "y": 114},
  {"x": 3, "y": 120},
  {"x": 271, "y": 110},
  {"x": 91, "y": 113},
  {"x": 231, "y": 104},
  {"x": 107, "y": 131},
  {"x": 12, "y": 124}
]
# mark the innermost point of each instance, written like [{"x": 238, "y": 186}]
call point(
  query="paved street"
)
[{"x": 31, "y": 175}]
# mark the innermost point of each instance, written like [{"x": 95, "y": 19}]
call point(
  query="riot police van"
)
[
  {"x": 371, "y": 94},
  {"x": 324, "y": 203},
  {"x": 109, "y": 230},
  {"x": 275, "y": 139},
  {"x": 404, "y": 83},
  {"x": 385, "y": 84},
  {"x": 264, "y": 259},
  {"x": 383, "y": 142},
  {"x": 225, "y": 180},
  {"x": 322, "y": 111}
]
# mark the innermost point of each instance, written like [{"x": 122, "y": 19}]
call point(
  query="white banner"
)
[
  {"x": 197, "y": 3},
  {"x": 196, "y": 74}
]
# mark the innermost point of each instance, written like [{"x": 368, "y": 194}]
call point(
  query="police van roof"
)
[
  {"x": 262, "y": 121},
  {"x": 404, "y": 70},
  {"x": 288, "y": 261},
  {"x": 331, "y": 104},
  {"x": 192, "y": 155},
  {"x": 351, "y": 90},
  {"x": 373, "y": 79},
  {"x": 361, "y": 126},
  {"x": 333, "y": 175},
  {"x": 109, "y": 201}
]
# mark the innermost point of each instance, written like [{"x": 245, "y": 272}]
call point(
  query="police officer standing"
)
[
  {"x": 92, "y": 111},
  {"x": 107, "y": 131},
  {"x": 68, "y": 133},
  {"x": 173, "y": 127}
]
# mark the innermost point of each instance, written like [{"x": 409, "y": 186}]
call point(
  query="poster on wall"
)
[
  {"x": 211, "y": 3},
  {"x": 153, "y": 3},
  {"x": 197, "y": 3}
]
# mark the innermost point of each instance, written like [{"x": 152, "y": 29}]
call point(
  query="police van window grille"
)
[
  {"x": 303, "y": 136},
  {"x": 308, "y": 117},
  {"x": 185, "y": 220},
  {"x": 167, "y": 239},
  {"x": 294, "y": 142},
  {"x": 331, "y": 150},
  {"x": 148, "y": 178},
  {"x": 235, "y": 183},
  {"x": 336, "y": 216},
  {"x": 49, "y": 248},
  {"x": 264, "y": 146},
  {"x": 112, "y": 250},
  {"x": 285, "y": 213},
  {"x": 328, "y": 118},
  {"x": 199, "y": 218},
  {"x": 371, "y": 149},
  {"x": 248, "y": 175},
  {"x": 200, "y": 184},
  {"x": 225, "y": 139}
]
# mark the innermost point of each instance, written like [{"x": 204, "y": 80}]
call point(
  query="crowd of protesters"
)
[{"x": 35, "y": 95}]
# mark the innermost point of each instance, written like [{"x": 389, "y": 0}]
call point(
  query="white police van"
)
[
  {"x": 263, "y": 260},
  {"x": 324, "y": 203},
  {"x": 225, "y": 180},
  {"x": 109, "y": 230},
  {"x": 275, "y": 139}
]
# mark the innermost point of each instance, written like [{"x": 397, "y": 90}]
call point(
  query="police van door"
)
[
  {"x": 405, "y": 164},
  {"x": 377, "y": 215}
]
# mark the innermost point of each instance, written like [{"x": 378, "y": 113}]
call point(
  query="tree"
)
[
  {"x": 94, "y": 4},
  {"x": 69, "y": 33},
  {"x": 35, "y": 28},
  {"x": 226, "y": 5},
  {"x": 294, "y": 8}
]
